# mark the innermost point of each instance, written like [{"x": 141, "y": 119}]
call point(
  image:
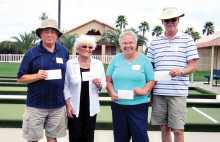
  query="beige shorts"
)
[
  {"x": 34, "y": 120},
  {"x": 169, "y": 110}
]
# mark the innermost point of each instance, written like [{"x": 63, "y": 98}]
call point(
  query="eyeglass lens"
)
[
  {"x": 87, "y": 46},
  {"x": 168, "y": 20}
]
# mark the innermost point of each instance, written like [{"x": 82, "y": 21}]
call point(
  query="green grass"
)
[
  {"x": 7, "y": 88},
  {"x": 11, "y": 69},
  {"x": 12, "y": 118},
  {"x": 199, "y": 76}
]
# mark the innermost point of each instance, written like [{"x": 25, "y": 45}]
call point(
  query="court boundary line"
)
[{"x": 207, "y": 116}]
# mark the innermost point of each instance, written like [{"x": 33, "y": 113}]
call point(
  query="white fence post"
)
[
  {"x": 9, "y": 58},
  {"x": 105, "y": 59}
]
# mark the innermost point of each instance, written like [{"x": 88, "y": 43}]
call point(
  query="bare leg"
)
[
  {"x": 166, "y": 134},
  {"x": 178, "y": 135},
  {"x": 51, "y": 139}
]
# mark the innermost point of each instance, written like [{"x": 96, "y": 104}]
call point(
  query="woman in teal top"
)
[{"x": 130, "y": 78}]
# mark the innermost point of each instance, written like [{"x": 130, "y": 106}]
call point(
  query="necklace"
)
[
  {"x": 128, "y": 61},
  {"x": 84, "y": 64}
]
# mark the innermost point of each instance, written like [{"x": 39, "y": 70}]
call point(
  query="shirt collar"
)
[
  {"x": 179, "y": 33},
  {"x": 76, "y": 60},
  {"x": 57, "y": 48}
]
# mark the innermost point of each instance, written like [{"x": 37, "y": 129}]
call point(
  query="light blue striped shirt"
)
[{"x": 167, "y": 55}]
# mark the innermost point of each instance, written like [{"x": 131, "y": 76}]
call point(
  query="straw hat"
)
[
  {"x": 48, "y": 23},
  {"x": 170, "y": 12}
]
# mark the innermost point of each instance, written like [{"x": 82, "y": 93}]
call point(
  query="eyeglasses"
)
[
  {"x": 90, "y": 47},
  {"x": 168, "y": 20},
  {"x": 130, "y": 43}
]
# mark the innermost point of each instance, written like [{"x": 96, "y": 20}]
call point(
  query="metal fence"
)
[{"x": 13, "y": 58}]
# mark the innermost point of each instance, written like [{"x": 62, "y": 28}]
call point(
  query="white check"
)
[
  {"x": 126, "y": 94},
  {"x": 86, "y": 76},
  {"x": 54, "y": 74},
  {"x": 162, "y": 76}
]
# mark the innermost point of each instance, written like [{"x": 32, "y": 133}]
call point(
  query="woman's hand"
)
[
  {"x": 114, "y": 97},
  {"x": 97, "y": 83},
  {"x": 69, "y": 109},
  {"x": 139, "y": 92}
]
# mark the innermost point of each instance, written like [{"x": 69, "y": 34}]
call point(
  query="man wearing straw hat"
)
[
  {"x": 174, "y": 56},
  {"x": 43, "y": 70}
]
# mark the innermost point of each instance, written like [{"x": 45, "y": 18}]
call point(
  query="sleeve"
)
[
  {"x": 191, "y": 52},
  {"x": 103, "y": 78},
  {"x": 67, "y": 55},
  {"x": 66, "y": 83},
  {"x": 150, "y": 52},
  {"x": 25, "y": 65},
  {"x": 110, "y": 69},
  {"x": 149, "y": 71}
]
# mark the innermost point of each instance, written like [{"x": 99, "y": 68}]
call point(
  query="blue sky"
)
[{"x": 19, "y": 16}]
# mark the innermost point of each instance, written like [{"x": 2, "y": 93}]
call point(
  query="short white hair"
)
[
  {"x": 127, "y": 33},
  {"x": 84, "y": 39}
]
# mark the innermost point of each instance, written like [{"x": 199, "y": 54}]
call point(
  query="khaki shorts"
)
[
  {"x": 34, "y": 120},
  {"x": 169, "y": 110}
]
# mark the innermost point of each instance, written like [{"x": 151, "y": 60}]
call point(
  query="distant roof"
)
[
  {"x": 94, "y": 20},
  {"x": 210, "y": 40}
]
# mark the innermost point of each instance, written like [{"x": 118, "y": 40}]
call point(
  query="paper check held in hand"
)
[
  {"x": 125, "y": 94},
  {"x": 162, "y": 76},
  {"x": 54, "y": 74}
]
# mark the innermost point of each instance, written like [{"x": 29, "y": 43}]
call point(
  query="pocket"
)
[
  {"x": 62, "y": 122},
  {"x": 74, "y": 79},
  {"x": 73, "y": 76},
  {"x": 26, "y": 122}
]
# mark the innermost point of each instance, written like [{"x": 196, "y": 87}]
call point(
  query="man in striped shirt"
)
[
  {"x": 173, "y": 53},
  {"x": 43, "y": 70}
]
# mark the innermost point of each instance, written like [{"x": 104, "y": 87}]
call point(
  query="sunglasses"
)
[
  {"x": 90, "y": 47},
  {"x": 168, "y": 20}
]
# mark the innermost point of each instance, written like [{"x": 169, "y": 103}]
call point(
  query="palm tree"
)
[
  {"x": 209, "y": 28},
  {"x": 68, "y": 41},
  {"x": 189, "y": 31},
  {"x": 158, "y": 30},
  {"x": 43, "y": 16},
  {"x": 141, "y": 39},
  {"x": 144, "y": 27},
  {"x": 25, "y": 41},
  {"x": 195, "y": 35},
  {"x": 133, "y": 30},
  {"x": 111, "y": 37},
  {"x": 121, "y": 22}
]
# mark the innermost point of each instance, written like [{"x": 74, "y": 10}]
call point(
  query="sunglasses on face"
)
[
  {"x": 168, "y": 20},
  {"x": 90, "y": 47}
]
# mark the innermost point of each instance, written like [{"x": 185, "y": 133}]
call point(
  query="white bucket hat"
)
[
  {"x": 170, "y": 12},
  {"x": 48, "y": 23}
]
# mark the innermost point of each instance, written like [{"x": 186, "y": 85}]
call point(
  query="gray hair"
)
[
  {"x": 84, "y": 39},
  {"x": 127, "y": 33}
]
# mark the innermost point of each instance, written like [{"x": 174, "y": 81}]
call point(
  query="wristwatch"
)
[{"x": 181, "y": 71}]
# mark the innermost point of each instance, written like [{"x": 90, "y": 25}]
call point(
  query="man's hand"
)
[
  {"x": 42, "y": 74},
  {"x": 175, "y": 72}
]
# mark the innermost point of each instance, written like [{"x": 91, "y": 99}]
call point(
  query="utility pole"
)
[{"x": 59, "y": 15}]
